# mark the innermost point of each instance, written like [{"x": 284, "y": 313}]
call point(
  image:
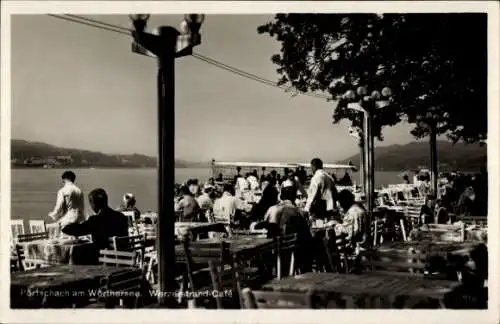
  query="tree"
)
[{"x": 432, "y": 62}]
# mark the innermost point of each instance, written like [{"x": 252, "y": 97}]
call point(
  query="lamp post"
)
[
  {"x": 429, "y": 121},
  {"x": 359, "y": 100},
  {"x": 358, "y": 133},
  {"x": 168, "y": 45}
]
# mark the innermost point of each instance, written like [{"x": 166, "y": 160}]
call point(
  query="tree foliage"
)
[{"x": 432, "y": 62}]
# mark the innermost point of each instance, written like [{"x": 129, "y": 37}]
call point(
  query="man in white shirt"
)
[
  {"x": 225, "y": 207},
  {"x": 70, "y": 204},
  {"x": 253, "y": 181},
  {"x": 322, "y": 193},
  {"x": 242, "y": 186}
]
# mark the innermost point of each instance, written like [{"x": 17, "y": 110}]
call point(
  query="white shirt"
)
[
  {"x": 353, "y": 221},
  {"x": 205, "y": 202},
  {"x": 323, "y": 185},
  {"x": 254, "y": 183},
  {"x": 225, "y": 207},
  {"x": 242, "y": 184},
  {"x": 70, "y": 205}
]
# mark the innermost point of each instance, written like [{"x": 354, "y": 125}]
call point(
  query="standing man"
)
[
  {"x": 322, "y": 193},
  {"x": 69, "y": 207}
]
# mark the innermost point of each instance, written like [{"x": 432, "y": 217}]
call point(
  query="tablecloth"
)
[
  {"x": 61, "y": 286},
  {"x": 61, "y": 251}
]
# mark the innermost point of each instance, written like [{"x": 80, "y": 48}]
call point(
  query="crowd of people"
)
[
  {"x": 459, "y": 194},
  {"x": 283, "y": 207}
]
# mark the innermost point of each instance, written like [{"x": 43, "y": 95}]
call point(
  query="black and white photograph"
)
[{"x": 197, "y": 158}]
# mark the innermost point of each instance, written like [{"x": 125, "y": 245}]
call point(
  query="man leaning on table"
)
[
  {"x": 105, "y": 224},
  {"x": 322, "y": 192},
  {"x": 70, "y": 202}
]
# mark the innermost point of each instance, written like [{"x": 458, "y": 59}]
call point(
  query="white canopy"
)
[{"x": 275, "y": 165}]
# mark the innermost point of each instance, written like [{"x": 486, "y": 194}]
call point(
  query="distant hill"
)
[
  {"x": 417, "y": 154},
  {"x": 25, "y": 153}
]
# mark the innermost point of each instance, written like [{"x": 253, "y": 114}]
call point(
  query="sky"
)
[{"x": 81, "y": 87}]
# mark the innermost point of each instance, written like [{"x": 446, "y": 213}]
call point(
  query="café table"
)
[
  {"x": 336, "y": 290},
  {"x": 61, "y": 251},
  {"x": 60, "y": 286},
  {"x": 196, "y": 228},
  {"x": 237, "y": 245}
]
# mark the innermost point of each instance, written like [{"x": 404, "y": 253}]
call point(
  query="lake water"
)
[{"x": 34, "y": 190}]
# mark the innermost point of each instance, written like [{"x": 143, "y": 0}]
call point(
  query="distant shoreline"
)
[{"x": 100, "y": 167}]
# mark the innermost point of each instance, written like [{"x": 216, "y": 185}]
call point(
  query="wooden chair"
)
[
  {"x": 118, "y": 258},
  {"x": 339, "y": 251},
  {"x": 393, "y": 262},
  {"x": 286, "y": 251},
  {"x": 130, "y": 243},
  {"x": 130, "y": 283},
  {"x": 32, "y": 237},
  {"x": 25, "y": 264},
  {"x": 221, "y": 268},
  {"x": 276, "y": 300},
  {"x": 149, "y": 231},
  {"x": 54, "y": 229},
  {"x": 377, "y": 229},
  {"x": 16, "y": 228},
  {"x": 37, "y": 226}
]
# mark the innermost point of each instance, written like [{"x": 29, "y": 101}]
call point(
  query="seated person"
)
[
  {"x": 354, "y": 217},
  {"x": 427, "y": 211},
  {"x": 129, "y": 205},
  {"x": 441, "y": 213},
  {"x": 105, "y": 224},
  {"x": 188, "y": 206},
  {"x": 285, "y": 218}
]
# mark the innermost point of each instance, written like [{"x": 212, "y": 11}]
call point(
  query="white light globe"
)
[
  {"x": 361, "y": 91},
  {"x": 386, "y": 92},
  {"x": 350, "y": 94}
]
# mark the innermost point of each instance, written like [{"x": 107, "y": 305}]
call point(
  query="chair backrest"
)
[
  {"x": 24, "y": 264},
  {"x": 413, "y": 211},
  {"x": 149, "y": 231},
  {"x": 32, "y": 237},
  {"x": 126, "y": 281},
  {"x": 410, "y": 261},
  {"x": 287, "y": 242},
  {"x": 128, "y": 243},
  {"x": 377, "y": 230},
  {"x": 130, "y": 214},
  {"x": 16, "y": 228},
  {"x": 118, "y": 258},
  {"x": 253, "y": 233},
  {"x": 217, "y": 252},
  {"x": 37, "y": 226},
  {"x": 135, "y": 243},
  {"x": 276, "y": 300},
  {"x": 54, "y": 229}
]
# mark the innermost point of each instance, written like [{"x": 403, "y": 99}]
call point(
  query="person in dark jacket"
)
[
  {"x": 105, "y": 224},
  {"x": 269, "y": 198},
  {"x": 285, "y": 218}
]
